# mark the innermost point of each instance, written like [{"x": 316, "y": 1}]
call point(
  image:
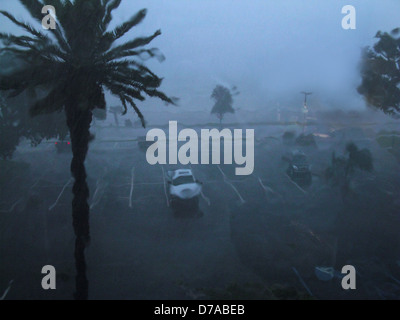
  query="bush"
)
[
  {"x": 10, "y": 131},
  {"x": 306, "y": 141},
  {"x": 288, "y": 137}
]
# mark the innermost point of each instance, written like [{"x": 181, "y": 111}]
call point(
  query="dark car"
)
[
  {"x": 63, "y": 146},
  {"x": 143, "y": 144},
  {"x": 299, "y": 169}
]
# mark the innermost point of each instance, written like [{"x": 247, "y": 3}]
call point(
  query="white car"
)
[{"x": 183, "y": 188}]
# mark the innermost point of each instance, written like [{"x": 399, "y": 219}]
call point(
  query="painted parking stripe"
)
[
  {"x": 300, "y": 188},
  {"x": 232, "y": 186},
  {"x": 98, "y": 194},
  {"x": 302, "y": 281},
  {"x": 223, "y": 173},
  {"x": 266, "y": 188},
  {"x": 131, "y": 191},
  {"x": 206, "y": 199},
  {"x": 237, "y": 192},
  {"x": 165, "y": 185},
  {"x": 59, "y": 196},
  {"x": 269, "y": 190},
  {"x": 7, "y": 290},
  {"x": 12, "y": 207}
]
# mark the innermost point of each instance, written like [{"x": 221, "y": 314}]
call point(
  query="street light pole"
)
[
  {"x": 305, "y": 96},
  {"x": 305, "y": 108}
]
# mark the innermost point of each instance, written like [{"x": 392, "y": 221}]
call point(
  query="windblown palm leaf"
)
[
  {"x": 73, "y": 65},
  {"x": 79, "y": 59}
]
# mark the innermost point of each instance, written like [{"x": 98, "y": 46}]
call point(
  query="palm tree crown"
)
[
  {"x": 72, "y": 65},
  {"x": 79, "y": 59}
]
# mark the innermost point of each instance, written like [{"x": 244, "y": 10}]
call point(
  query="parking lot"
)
[{"x": 252, "y": 232}]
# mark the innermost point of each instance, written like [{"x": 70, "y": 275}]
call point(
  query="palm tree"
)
[
  {"x": 341, "y": 170},
  {"x": 74, "y": 64}
]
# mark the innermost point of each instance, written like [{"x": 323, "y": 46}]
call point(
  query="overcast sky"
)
[{"x": 269, "y": 49}]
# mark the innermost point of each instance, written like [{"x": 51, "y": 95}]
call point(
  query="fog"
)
[
  {"x": 321, "y": 191},
  {"x": 270, "y": 50}
]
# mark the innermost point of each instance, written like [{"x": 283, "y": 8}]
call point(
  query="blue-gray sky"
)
[{"x": 269, "y": 49}]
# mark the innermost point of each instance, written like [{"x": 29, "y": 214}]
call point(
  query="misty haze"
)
[{"x": 85, "y": 116}]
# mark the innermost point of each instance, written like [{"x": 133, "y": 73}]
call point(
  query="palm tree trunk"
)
[
  {"x": 81, "y": 281},
  {"x": 78, "y": 122}
]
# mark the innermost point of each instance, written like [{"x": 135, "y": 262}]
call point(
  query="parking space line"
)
[
  {"x": 300, "y": 188},
  {"x": 302, "y": 281},
  {"x": 35, "y": 184},
  {"x": 94, "y": 196},
  {"x": 226, "y": 180},
  {"x": 100, "y": 187},
  {"x": 7, "y": 290},
  {"x": 206, "y": 199},
  {"x": 165, "y": 185},
  {"x": 237, "y": 192},
  {"x": 131, "y": 192},
  {"x": 149, "y": 183},
  {"x": 59, "y": 196},
  {"x": 223, "y": 174},
  {"x": 12, "y": 207},
  {"x": 268, "y": 189}
]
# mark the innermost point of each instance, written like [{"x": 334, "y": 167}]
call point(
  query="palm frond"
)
[
  {"x": 152, "y": 53},
  {"x": 128, "y": 25},
  {"x": 24, "y": 25},
  {"x": 34, "y": 7},
  {"x": 77, "y": 58},
  {"x": 138, "y": 112},
  {"x": 138, "y": 42},
  {"x": 54, "y": 101},
  {"x": 117, "y": 88},
  {"x": 111, "y": 5}
]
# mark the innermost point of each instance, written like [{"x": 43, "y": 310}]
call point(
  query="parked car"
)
[
  {"x": 299, "y": 169},
  {"x": 183, "y": 189},
  {"x": 143, "y": 144},
  {"x": 63, "y": 146}
]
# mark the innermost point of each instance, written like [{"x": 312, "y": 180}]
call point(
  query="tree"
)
[
  {"x": 10, "y": 130},
  {"x": 16, "y": 122},
  {"x": 223, "y": 98},
  {"x": 380, "y": 72},
  {"x": 342, "y": 169},
  {"x": 74, "y": 63}
]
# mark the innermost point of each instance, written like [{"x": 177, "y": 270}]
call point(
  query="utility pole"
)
[
  {"x": 305, "y": 108},
  {"x": 115, "y": 111},
  {"x": 305, "y": 96}
]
